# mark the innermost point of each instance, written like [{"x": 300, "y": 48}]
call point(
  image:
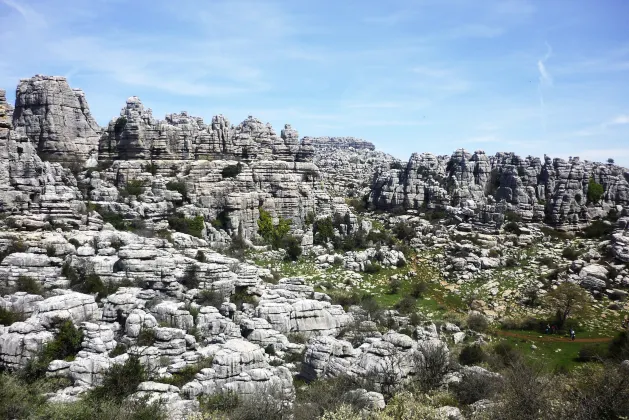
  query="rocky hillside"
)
[{"x": 177, "y": 269}]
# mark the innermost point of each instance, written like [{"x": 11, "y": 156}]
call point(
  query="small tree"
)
[
  {"x": 595, "y": 191},
  {"x": 566, "y": 300},
  {"x": 610, "y": 161}
]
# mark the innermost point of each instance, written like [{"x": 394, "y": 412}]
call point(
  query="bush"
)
[
  {"x": 571, "y": 253},
  {"x": 188, "y": 373},
  {"x": 292, "y": 245},
  {"x": 180, "y": 187},
  {"x": 28, "y": 285},
  {"x": 403, "y": 231},
  {"x": 133, "y": 187},
  {"x": 432, "y": 363},
  {"x": 65, "y": 345},
  {"x": 472, "y": 354},
  {"x": 200, "y": 256},
  {"x": 477, "y": 322},
  {"x": 272, "y": 234},
  {"x": 372, "y": 268},
  {"x": 619, "y": 347},
  {"x": 418, "y": 289},
  {"x": 120, "y": 381},
  {"x": 210, "y": 298},
  {"x": 590, "y": 353},
  {"x": 394, "y": 286},
  {"x": 151, "y": 168},
  {"x": 323, "y": 231},
  {"x": 231, "y": 171},
  {"x": 476, "y": 386},
  {"x": 120, "y": 124},
  {"x": 407, "y": 305},
  {"x": 190, "y": 279},
  {"x": 193, "y": 227},
  {"x": 595, "y": 191},
  {"x": 146, "y": 337},
  {"x": 7, "y": 317},
  {"x": 598, "y": 229},
  {"x": 360, "y": 206},
  {"x": 512, "y": 227},
  {"x": 221, "y": 403}
]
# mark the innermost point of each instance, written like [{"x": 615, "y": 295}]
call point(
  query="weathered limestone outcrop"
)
[
  {"x": 56, "y": 119},
  {"x": 347, "y": 165},
  {"x": 135, "y": 134},
  {"x": 481, "y": 188}
]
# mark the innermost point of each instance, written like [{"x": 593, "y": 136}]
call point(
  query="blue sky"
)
[{"x": 531, "y": 77}]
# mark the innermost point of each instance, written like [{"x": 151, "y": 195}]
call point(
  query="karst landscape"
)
[{"x": 188, "y": 269}]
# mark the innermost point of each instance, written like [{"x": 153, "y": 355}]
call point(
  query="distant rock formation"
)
[
  {"x": 483, "y": 187},
  {"x": 137, "y": 135}
]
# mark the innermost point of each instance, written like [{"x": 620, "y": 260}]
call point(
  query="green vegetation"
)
[
  {"x": 28, "y": 285},
  {"x": 180, "y": 187},
  {"x": 64, "y": 346},
  {"x": 272, "y": 234},
  {"x": 595, "y": 191},
  {"x": 188, "y": 373},
  {"x": 192, "y": 226},
  {"x": 133, "y": 187}
]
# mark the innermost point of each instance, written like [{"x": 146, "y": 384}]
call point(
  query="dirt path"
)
[{"x": 551, "y": 338}]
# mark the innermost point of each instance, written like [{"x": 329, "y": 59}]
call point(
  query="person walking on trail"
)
[
  {"x": 548, "y": 328},
  {"x": 572, "y": 334}
]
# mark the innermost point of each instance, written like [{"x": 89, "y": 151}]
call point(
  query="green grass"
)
[{"x": 556, "y": 354}]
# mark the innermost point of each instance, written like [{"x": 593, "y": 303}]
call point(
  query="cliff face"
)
[
  {"x": 33, "y": 191},
  {"x": 56, "y": 120},
  {"x": 484, "y": 187}
]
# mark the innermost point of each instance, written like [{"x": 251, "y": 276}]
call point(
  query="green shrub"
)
[
  {"x": 231, "y": 171},
  {"x": 512, "y": 216},
  {"x": 598, "y": 229},
  {"x": 210, "y": 298},
  {"x": 146, "y": 337},
  {"x": 570, "y": 253},
  {"x": 619, "y": 347},
  {"x": 200, "y": 256},
  {"x": 188, "y": 373},
  {"x": 65, "y": 345},
  {"x": 418, "y": 289},
  {"x": 51, "y": 251},
  {"x": 180, "y": 187},
  {"x": 472, "y": 354},
  {"x": 477, "y": 322},
  {"x": 323, "y": 231},
  {"x": 272, "y": 234},
  {"x": 193, "y": 227},
  {"x": 512, "y": 227},
  {"x": 119, "y": 350},
  {"x": 591, "y": 353},
  {"x": 403, "y": 231},
  {"x": 28, "y": 285},
  {"x": 372, "y": 268},
  {"x": 221, "y": 221},
  {"x": 407, "y": 305},
  {"x": 595, "y": 191},
  {"x": 133, "y": 187},
  {"x": 221, "y": 403},
  {"x": 7, "y": 317},
  {"x": 120, "y": 381},
  {"x": 190, "y": 279},
  {"x": 292, "y": 245},
  {"x": 151, "y": 168}
]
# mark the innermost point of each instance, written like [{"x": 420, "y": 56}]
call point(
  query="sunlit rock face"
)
[
  {"x": 56, "y": 119},
  {"x": 482, "y": 188}
]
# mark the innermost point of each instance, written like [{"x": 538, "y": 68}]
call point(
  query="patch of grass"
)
[
  {"x": 188, "y": 373},
  {"x": 28, "y": 285}
]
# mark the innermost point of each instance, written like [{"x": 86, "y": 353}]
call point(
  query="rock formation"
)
[{"x": 56, "y": 120}]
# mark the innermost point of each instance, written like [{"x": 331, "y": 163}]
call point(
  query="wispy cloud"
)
[
  {"x": 545, "y": 80},
  {"x": 28, "y": 14}
]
